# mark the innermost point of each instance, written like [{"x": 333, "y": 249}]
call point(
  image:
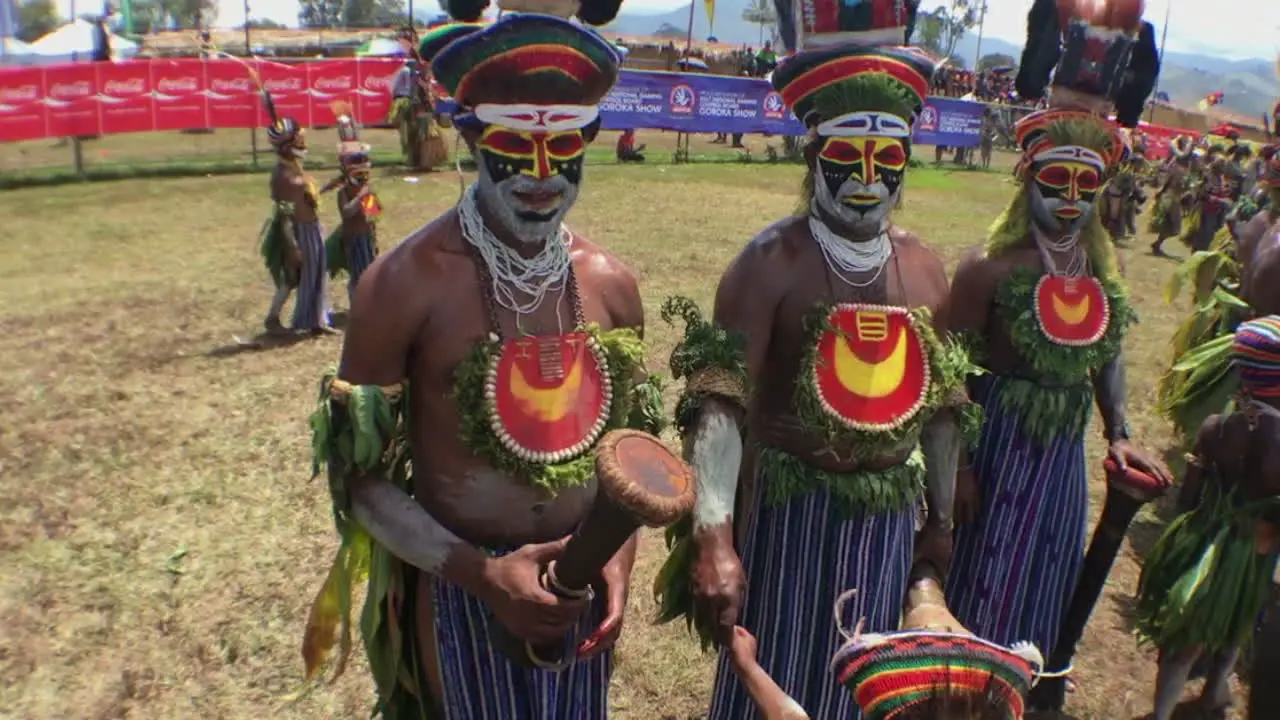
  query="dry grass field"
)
[{"x": 160, "y": 540}]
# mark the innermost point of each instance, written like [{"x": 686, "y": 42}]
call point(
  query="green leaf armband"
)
[
  {"x": 357, "y": 428},
  {"x": 647, "y": 412},
  {"x": 956, "y": 364},
  {"x": 710, "y": 359}
]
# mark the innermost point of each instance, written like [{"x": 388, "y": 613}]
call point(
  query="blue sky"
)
[{"x": 1234, "y": 28}]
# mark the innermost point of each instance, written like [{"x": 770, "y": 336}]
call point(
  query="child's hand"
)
[{"x": 743, "y": 647}]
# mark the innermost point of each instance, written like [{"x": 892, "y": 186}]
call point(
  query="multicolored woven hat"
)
[
  {"x": 892, "y": 673},
  {"x": 1061, "y": 134},
  {"x": 850, "y": 74},
  {"x": 1255, "y": 353},
  {"x": 528, "y": 72},
  {"x": 439, "y": 37}
]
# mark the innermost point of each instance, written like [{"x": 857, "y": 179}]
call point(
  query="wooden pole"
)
[
  {"x": 248, "y": 53},
  {"x": 77, "y": 152},
  {"x": 982, "y": 22},
  {"x": 688, "y": 43},
  {"x": 1164, "y": 35}
]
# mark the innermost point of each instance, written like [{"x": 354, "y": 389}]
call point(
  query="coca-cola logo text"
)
[
  {"x": 20, "y": 93},
  {"x": 79, "y": 88},
  {"x": 284, "y": 84},
  {"x": 132, "y": 86},
  {"x": 342, "y": 82},
  {"x": 180, "y": 84},
  {"x": 374, "y": 82},
  {"x": 237, "y": 85}
]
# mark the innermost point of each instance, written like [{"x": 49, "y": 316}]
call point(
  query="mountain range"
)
[{"x": 1249, "y": 87}]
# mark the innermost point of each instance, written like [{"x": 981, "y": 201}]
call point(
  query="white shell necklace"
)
[
  {"x": 519, "y": 284},
  {"x": 1077, "y": 260},
  {"x": 845, "y": 257}
]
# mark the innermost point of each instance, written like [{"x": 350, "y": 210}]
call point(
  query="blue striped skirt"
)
[
  {"x": 312, "y": 307},
  {"x": 1016, "y": 565},
  {"x": 361, "y": 251},
  {"x": 799, "y": 557},
  {"x": 481, "y": 683}
]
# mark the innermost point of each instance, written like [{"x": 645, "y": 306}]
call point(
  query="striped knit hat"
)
[
  {"x": 902, "y": 671},
  {"x": 527, "y": 60},
  {"x": 1256, "y": 354}
]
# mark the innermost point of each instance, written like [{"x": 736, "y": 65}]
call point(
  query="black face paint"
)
[
  {"x": 863, "y": 159},
  {"x": 540, "y": 155}
]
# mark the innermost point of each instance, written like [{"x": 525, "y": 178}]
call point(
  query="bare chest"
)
[
  {"x": 819, "y": 286},
  {"x": 476, "y": 315}
]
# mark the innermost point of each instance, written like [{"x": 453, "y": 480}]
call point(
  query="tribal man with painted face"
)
[
  {"x": 820, "y": 393},
  {"x": 292, "y": 243},
  {"x": 354, "y": 245},
  {"x": 1043, "y": 304},
  {"x": 491, "y": 349}
]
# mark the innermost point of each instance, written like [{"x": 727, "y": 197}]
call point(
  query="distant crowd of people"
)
[{"x": 995, "y": 85}]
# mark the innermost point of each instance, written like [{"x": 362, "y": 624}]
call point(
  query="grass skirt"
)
[{"x": 1204, "y": 584}]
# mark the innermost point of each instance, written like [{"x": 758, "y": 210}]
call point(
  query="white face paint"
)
[
  {"x": 715, "y": 452},
  {"x": 531, "y": 209},
  {"x": 861, "y": 223},
  {"x": 400, "y": 524}
]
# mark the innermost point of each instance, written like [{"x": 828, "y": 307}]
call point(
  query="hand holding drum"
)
[{"x": 641, "y": 482}]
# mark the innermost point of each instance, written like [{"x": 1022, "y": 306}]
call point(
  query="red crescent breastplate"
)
[
  {"x": 872, "y": 370},
  {"x": 1071, "y": 310},
  {"x": 549, "y": 396}
]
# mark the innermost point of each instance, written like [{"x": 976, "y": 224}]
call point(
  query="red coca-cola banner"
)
[
  {"x": 1159, "y": 137},
  {"x": 151, "y": 95}
]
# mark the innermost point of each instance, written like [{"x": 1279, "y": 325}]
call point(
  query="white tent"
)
[
  {"x": 74, "y": 41},
  {"x": 15, "y": 52}
]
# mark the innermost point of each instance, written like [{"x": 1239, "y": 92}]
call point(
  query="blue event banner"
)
[{"x": 688, "y": 102}]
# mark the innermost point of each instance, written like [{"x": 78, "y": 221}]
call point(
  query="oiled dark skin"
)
[
  {"x": 289, "y": 184},
  {"x": 1259, "y": 254},
  {"x": 354, "y": 223},
  {"x": 973, "y": 307},
  {"x": 419, "y": 312},
  {"x": 1224, "y": 442},
  {"x": 766, "y": 294}
]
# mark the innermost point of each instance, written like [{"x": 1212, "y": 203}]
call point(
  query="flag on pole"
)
[
  {"x": 8, "y": 18},
  {"x": 711, "y": 16}
]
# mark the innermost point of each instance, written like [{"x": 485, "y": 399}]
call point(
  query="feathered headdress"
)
[
  {"x": 1099, "y": 54},
  {"x": 353, "y": 155},
  {"x": 851, "y": 74},
  {"x": 283, "y": 130}
]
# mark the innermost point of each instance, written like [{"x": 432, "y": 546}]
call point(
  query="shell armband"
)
[{"x": 710, "y": 359}]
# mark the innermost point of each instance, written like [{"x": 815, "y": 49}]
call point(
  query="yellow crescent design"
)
[
  {"x": 549, "y": 405},
  {"x": 1071, "y": 313},
  {"x": 871, "y": 380}
]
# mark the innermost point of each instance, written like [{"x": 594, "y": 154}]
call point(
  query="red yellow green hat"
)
[
  {"x": 851, "y": 74},
  {"x": 1064, "y": 134},
  {"x": 439, "y": 37},
  {"x": 532, "y": 65},
  {"x": 889, "y": 674}
]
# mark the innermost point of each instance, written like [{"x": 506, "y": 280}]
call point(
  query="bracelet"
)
[{"x": 1119, "y": 433}]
